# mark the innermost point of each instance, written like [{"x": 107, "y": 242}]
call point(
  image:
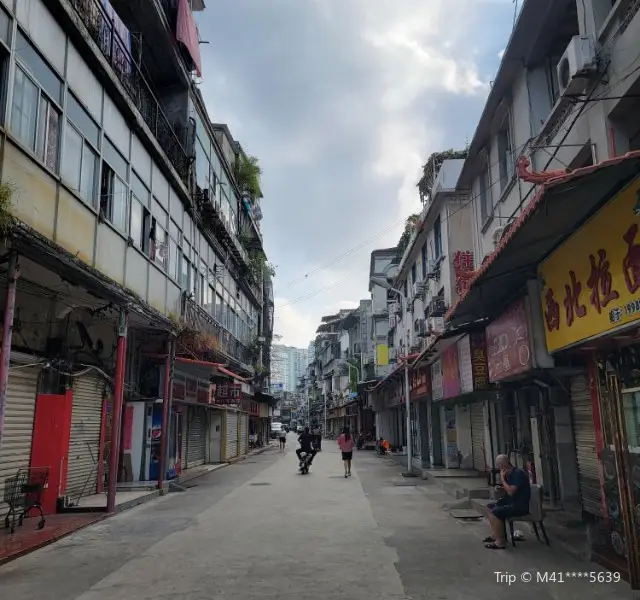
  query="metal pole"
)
[
  {"x": 407, "y": 401},
  {"x": 13, "y": 273},
  {"x": 116, "y": 413},
  {"x": 166, "y": 412}
]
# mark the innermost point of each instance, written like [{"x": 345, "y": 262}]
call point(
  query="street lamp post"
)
[{"x": 382, "y": 282}]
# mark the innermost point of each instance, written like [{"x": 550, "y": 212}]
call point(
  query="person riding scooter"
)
[{"x": 307, "y": 445}]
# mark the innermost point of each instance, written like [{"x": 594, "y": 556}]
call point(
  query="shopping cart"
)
[{"x": 23, "y": 493}]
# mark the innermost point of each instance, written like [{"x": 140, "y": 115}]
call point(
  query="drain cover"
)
[{"x": 261, "y": 483}]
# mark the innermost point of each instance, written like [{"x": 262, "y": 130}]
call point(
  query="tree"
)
[
  {"x": 432, "y": 167},
  {"x": 409, "y": 227}
]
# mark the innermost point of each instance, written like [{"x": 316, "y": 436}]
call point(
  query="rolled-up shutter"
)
[
  {"x": 84, "y": 442},
  {"x": 244, "y": 433},
  {"x": 231, "y": 435},
  {"x": 183, "y": 447},
  {"x": 477, "y": 436},
  {"x": 15, "y": 446},
  {"x": 197, "y": 438},
  {"x": 586, "y": 452}
]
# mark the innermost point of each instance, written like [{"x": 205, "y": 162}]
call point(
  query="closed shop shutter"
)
[
  {"x": 84, "y": 442},
  {"x": 244, "y": 433},
  {"x": 231, "y": 442},
  {"x": 15, "y": 448},
  {"x": 477, "y": 436},
  {"x": 585, "y": 436},
  {"x": 183, "y": 447},
  {"x": 443, "y": 432},
  {"x": 197, "y": 437}
]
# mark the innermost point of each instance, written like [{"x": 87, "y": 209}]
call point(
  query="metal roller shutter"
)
[
  {"x": 231, "y": 433},
  {"x": 197, "y": 438},
  {"x": 183, "y": 446},
  {"x": 15, "y": 447},
  {"x": 84, "y": 442},
  {"x": 586, "y": 452},
  {"x": 244, "y": 433},
  {"x": 477, "y": 436}
]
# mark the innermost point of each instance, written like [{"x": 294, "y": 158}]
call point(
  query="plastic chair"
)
[{"x": 535, "y": 516}]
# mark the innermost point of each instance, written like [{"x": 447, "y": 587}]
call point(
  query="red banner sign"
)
[
  {"x": 229, "y": 394},
  {"x": 463, "y": 265},
  {"x": 420, "y": 382},
  {"x": 509, "y": 351},
  {"x": 450, "y": 372}
]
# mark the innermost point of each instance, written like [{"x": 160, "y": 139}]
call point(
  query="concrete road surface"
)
[{"x": 259, "y": 530}]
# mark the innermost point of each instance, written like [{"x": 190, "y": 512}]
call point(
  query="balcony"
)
[
  {"x": 171, "y": 138},
  {"x": 228, "y": 347}
]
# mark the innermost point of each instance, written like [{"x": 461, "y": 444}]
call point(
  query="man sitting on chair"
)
[{"x": 515, "y": 503}]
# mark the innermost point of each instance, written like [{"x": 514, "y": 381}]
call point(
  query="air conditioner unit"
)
[
  {"x": 395, "y": 308},
  {"x": 577, "y": 63},
  {"x": 419, "y": 287},
  {"x": 433, "y": 269},
  {"x": 393, "y": 353},
  {"x": 496, "y": 235},
  {"x": 420, "y": 327},
  {"x": 392, "y": 321}
]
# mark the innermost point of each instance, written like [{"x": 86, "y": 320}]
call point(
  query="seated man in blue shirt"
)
[{"x": 515, "y": 503}]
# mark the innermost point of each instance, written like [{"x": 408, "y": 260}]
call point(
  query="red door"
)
[{"x": 50, "y": 445}]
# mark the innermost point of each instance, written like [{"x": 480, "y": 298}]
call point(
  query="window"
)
[
  {"x": 424, "y": 260},
  {"x": 218, "y": 313},
  {"x": 185, "y": 271},
  {"x": 113, "y": 198},
  {"x": 505, "y": 155},
  {"x": 437, "y": 235},
  {"x": 139, "y": 226},
  {"x": 35, "y": 116},
  {"x": 78, "y": 167},
  {"x": 158, "y": 248},
  {"x": 174, "y": 261},
  {"x": 414, "y": 272},
  {"x": 486, "y": 208}
]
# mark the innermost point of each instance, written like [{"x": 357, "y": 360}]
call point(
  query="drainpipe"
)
[
  {"x": 13, "y": 273},
  {"x": 116, "y": 412},
  {"x": 166, "y": 411}
]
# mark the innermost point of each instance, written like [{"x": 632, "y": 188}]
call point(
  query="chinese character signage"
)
[
  {"x": 436, "y": 380},
  {"x": 591, "y": 283},
  {"x": 420, "y": 382},
  {"x": 229, "y": 393},
  {"x": 463, "y": 270},
  {"x": 472, "y": 359},
  {"x": 450, "y": 372},
  {"x": 508, "y": 348}
]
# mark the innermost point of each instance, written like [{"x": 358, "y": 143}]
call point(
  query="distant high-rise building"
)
[
  {"x": 311, "y": 353},
  {"x": 288, "y": 364}
]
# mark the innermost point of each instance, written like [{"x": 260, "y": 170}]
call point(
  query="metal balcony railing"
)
[{"x": 102, "y": 30}]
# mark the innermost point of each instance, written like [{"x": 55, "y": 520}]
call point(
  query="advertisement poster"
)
[{"x": 156, "y": 442}]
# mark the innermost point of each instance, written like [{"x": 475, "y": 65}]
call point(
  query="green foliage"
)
[
  {"x": 259, "y": 266},
  {"x": 409, "y": 228},
  {"x": 6, "y": 218},
  {"x": 247, "y": 173},
  {"x": 431, "y": 168}
]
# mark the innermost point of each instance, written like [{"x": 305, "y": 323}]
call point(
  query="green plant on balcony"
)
[
  {"x": 247, "y": 173},
  {"x": 258, "y": 266},
  {"x": 191, "y": 340}
]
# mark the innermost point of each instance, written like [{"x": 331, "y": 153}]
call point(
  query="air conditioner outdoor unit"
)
[
  {"x": 433, "y": 270},
  {"x": 577, "y": 63},
  {"x": 392, "y": 321},
  {"x": 420, "y": 327}
]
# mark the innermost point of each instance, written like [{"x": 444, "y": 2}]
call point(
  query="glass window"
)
[
  {"x": 218, "y": 312},
  {"x": 173, "y": 259},
  {"x": 159, "y": 247},
  {"x": 185, "y": 270},
  {"x": 47, "y": 133},
  {"x": 81, "y": 119},
  {"x": 139, "y": 189},
  {"x": 631, "y": 406},
  {"x": 24, "y": 112},
  {"x": 139, "y": 225},
  {"x": 115, "y": 159},
  {"x": 437, "y": 233},
  {"x": 88, "y": 175},
  {"x": 5, "y": 25},
  {"x": 70, "y": 169},
  {"x": 202, "y": 168},
  {"x": 40, "y": 70},
  {"x": 113, "y": 198}
]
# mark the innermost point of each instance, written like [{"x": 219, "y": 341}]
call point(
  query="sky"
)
[{"x": 342, "y": 101}]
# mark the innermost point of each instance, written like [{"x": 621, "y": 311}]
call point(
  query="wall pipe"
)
[{"x": 166, "y": 411}]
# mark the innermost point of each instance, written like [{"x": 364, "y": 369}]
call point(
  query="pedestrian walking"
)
[
  {"x": 283, "y": 438},
  {"x": 346, "y": 443}
]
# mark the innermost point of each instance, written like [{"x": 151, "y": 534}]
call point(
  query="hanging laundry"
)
[{"x": 187, "y": 33}]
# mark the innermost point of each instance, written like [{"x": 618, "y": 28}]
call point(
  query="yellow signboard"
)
[
  {"x": 382, "y": 355},
  {"x": 591, "y": 284}
]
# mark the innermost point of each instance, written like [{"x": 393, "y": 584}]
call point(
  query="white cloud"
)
[
  {"x": 296, "y": 326},
  {"x": 501, "y": 53}
]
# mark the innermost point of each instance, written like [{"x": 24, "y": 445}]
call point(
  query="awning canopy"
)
[
  {"x": 430, "y": 354},
  {"x": 560, "y": 206},
  {"x": 267, "y": 398},
  {"x": 397, "y": 371}
]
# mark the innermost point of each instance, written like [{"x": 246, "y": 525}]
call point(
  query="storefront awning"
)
[
  {"x": 430, "y": 354},
  {"x": 395, "y": 372},
  {"x": 559, "y": 207},
  {"x": 266, "y": 398},
  {"x": 219, "y": 368}
]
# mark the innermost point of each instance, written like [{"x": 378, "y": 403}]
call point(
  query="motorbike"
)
[{"x": 305, "y": 463}]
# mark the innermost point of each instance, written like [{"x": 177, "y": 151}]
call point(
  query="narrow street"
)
[{"x": 259, "y": 530}]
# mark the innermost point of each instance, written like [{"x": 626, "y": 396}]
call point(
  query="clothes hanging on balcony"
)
[
  {"x": 119, "y": 27},
  {"x": 187, "y": 33}
]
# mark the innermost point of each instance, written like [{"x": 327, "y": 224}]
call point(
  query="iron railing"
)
[{"x": 102, "y": 30}]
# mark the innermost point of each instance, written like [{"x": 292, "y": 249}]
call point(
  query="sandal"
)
[
  {"x": 494, "y": 546},
  {"x": 488, "y": 540}
]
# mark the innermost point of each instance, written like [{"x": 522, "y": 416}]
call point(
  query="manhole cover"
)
[{"x": 261, "y": 483}]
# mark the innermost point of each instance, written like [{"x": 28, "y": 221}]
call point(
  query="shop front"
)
[
  {"x": 591, "y": 303},
  {"x": 420, "y": 390}
]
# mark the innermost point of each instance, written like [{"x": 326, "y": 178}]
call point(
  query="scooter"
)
[{"x": 305, "y": 463}]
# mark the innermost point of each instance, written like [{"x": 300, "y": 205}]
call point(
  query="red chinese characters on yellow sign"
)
[
  {"x": 463, "y": 267},
  {"x": 591, "y": 283}
]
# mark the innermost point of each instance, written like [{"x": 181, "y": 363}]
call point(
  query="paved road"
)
[{"x": 259, "y": 530}]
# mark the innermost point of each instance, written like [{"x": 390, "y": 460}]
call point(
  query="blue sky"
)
[{"x": 342, "y": 101}]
